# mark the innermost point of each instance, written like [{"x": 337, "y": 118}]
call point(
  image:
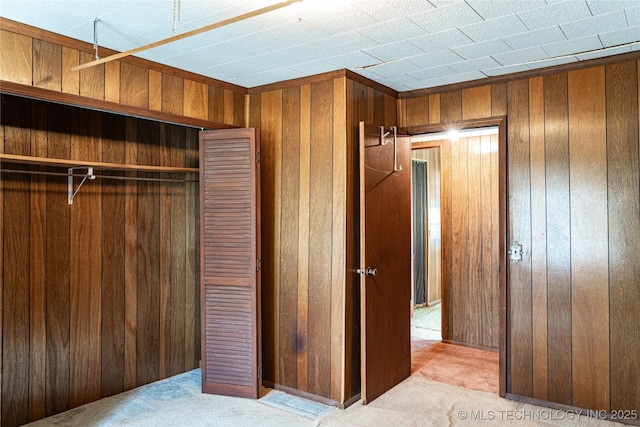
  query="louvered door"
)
[{"x": 229, "y": 253}]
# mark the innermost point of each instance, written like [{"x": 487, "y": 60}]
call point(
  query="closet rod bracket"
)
[{"x": 70, "y": 184}]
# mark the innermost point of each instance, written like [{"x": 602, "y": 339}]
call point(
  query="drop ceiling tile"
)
[
  {"x": 555, "y": 14},
  {"x": 313, "y": 67},
  {"x": 390, "y": 69},
  {"x": 250, "y": 45},
  {"x": 464, "y": 77},
  {"x": 496, "y": 8},
  {"x": 432, "y": 73},
  {"x": 535, "y": 38},
  {"x": 473, "y": 64},
  {"x": 431, "y": 59},
  {"x": 438, "y": 81},
  {"x": 296, "y": 32},
  {"x": 446, "y": 17},
  {"x": 346, "y": 42},
  {"x": 520, "y": 56},
  {"x": 605, "y": 52},
  {"x": 393, "y": 51},
  {"x": 353, "y": 60},
  {"x": 479, "y": 50},
  {"x": 635, "y": 46},
  {"x": 614, "y": 38},
  {"x": 633, "y": 16},
  {"x": 501, "y": 71},
  {"x": 267, "y": 77},
  {"x": 305, "y": 52},
  {"x": 341, "y": 20},
  {"x": 594, "y": 25},
  {"x": 392, "y": 31},
  {"x": 494, "y": 28},
  {"x": 569, "y": 47},
  {"x": 599, "y": 7},
  {"x": 442, "y": 40},
  {"x": 388, "y": 10}
]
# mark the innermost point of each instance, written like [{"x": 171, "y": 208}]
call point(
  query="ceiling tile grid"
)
[{"x": 404, "y": 44}]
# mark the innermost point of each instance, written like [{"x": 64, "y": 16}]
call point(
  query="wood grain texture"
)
[
  {"x": 155, "y": 90},
  {"x": 419, "y": 108},
  {"x": 446, "y": 239},
  {"x": 86, "y": 271},
  {"x": 589, "y": 239},
  {"x": 304, "y": 252},
  {"x": 622, "y": 82},
  {"x": 488, "y": 181},
  {"x": 271, "y": 175},
  {"x": 320, "y": 228},
  {"x": 92, "y": 80},
  {"x": 451, "y": 106},
  {"x": 47, "y": 65},
  {"x": 165, "y": 258},
  {"x": 58, "y": 268},
  {"x": 434, "y": 108},
  {"x": 192, "y": 247},
  {"x": 38, "y": 272},
  {"x": 499, "y": 99},
  {"x": 476, "y": 102},
  {"x": 71, "y": 79},
  {"x": 558, "y": 238},
  {"x": 16, "y": 58},
  {"x": 15, "y": 344},
  {"x": 519, "y": 229},
  {"x": 474, "y": 287},
  {"x": 195, "y": 99},
  {"x": 113, "y": 262},
  {"x": 288, "y": 321},
  {"x": 460, "y": 239},
  {"x": 216, "y": 105},
  {"x": 238, "y": 109},
  {"x": 338, "y": 239},
  {"x": 1, "y": 245},
  {"x": 112, "y": 81},
  {"x": 538, "y": 237},
  {"x": 134, "y": 85}
]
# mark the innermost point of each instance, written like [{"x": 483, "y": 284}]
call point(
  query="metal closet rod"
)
[{"x": 115, "y": 177}]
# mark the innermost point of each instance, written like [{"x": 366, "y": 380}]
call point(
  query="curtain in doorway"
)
[{"x": 419, "y": 197}]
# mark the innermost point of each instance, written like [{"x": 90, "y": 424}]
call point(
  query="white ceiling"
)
[{"x": 403, "y": 44}]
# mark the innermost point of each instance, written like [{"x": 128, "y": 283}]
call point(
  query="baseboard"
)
[{"x": 575, "y": 411}]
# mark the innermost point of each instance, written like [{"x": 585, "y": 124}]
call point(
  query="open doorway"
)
[{"x": 461, "y": 231}]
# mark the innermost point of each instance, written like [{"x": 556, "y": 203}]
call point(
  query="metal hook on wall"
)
[{"x": 383, "y": 135}]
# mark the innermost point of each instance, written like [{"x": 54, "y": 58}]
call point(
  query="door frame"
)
[{"x": 501, "y": 123}]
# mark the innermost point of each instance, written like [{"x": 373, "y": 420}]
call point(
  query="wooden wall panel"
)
[
  {"x": 86, "y": 266},
  {"x": 623, "y": 211},
  {"x": 589, "y": 239},
  {"x": 558, "y": 237},
  {"x": 44, "y": 60},
  {"x": 571, "y": 300},
  {"x": 538, "y": 238},
  {"x": 85, "y": 320},
  {"x": 288, "y": 324},
  {"x": 308, "y": 133},
  {"x": 321, "y": 218},
  {"x": 16, "y": 58},
  {"x": 47, "y": 65}
]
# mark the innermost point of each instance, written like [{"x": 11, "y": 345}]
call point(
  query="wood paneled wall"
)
[
  {"x": 573, "y": 188},
  {"x": 310, "y": 324},
  {"x": 37, "y": 58},
  {"x": 101, "y": 296}
]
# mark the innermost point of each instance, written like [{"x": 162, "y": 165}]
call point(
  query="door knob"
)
[{"x": 368, "y": 271}]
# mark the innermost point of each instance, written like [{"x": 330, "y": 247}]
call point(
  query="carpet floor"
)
[{"x": 429, "y": 397}]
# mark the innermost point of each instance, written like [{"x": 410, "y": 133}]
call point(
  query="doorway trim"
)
[{"x": 501, "y": 123}]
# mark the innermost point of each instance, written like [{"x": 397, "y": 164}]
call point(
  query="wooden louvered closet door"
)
[{"x": 229, "y": 253}]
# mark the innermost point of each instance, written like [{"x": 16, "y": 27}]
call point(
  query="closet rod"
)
[{"x": 121, "y": 178}]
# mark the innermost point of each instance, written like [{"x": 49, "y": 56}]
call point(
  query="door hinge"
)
[
  {"x": 258, "y": 264},
  {"x": 257, "y": 157}
]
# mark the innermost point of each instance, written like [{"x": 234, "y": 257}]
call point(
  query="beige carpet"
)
[{"x": 417, "y": 401}]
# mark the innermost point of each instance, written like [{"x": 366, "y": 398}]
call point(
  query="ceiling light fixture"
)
[{"x": 187, "y": 34}]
